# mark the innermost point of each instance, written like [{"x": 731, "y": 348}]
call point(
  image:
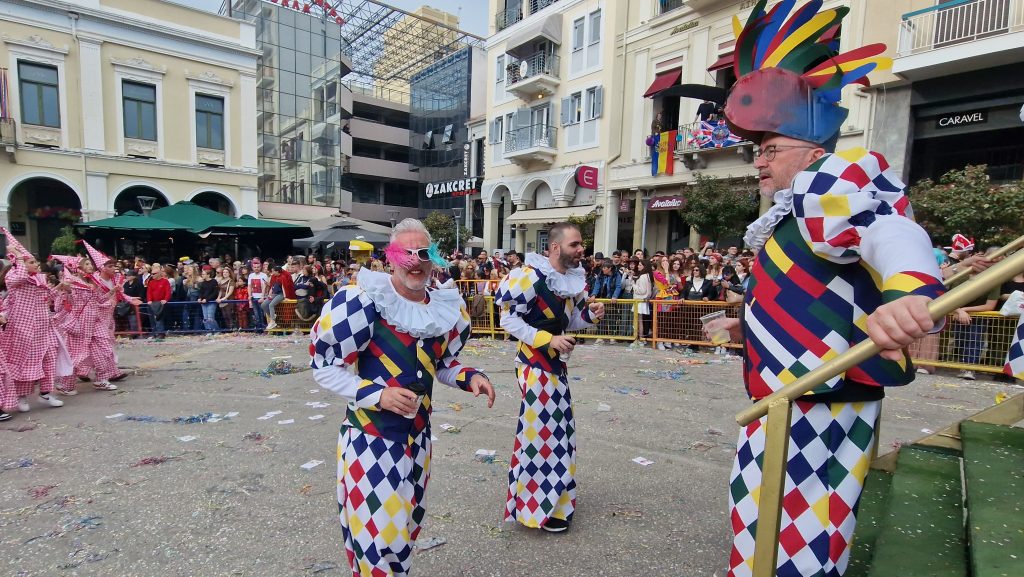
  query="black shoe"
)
[
  {"x": 84, "y": 379},
  {"x": 118, "y": 377},
  {"x": 555, "y": 525},
  {"x": 4, "y": 416}
]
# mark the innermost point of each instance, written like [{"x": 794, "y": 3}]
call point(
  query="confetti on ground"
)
[
  {"x": 661, "y": 375},
  {"x": 484, "y": 455},
  {"x": 41, "y": 491},
  {"x": 315, "y": 417},
  {"x": 642, "y": 461},
  {"x": 187, "y": 438},
  {"x": 192, "y": 419},
  {"x": 273, "y": 396},
  {"x": 255, "y": 437},
  {"x": 152, "y": 461},
  {"x": 115, "y": 416},
  {"x": 21, "y": 463},
  {"x": 318, "y": 405},
  {"x": 603, "y": 407},
  {"x": 286, "y": 422},
  {"x": 312, "y": 465},
  {"x": 450, "y": 428}
]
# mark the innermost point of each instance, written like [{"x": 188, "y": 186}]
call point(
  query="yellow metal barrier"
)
[{"x": 678, "y": 322}]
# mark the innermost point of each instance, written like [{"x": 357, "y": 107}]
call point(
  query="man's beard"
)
[{"x": 566, "y": 260}]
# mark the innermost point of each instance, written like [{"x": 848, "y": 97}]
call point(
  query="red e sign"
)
[{"x": 586, "y": 177}]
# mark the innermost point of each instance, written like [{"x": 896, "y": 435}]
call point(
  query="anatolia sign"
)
[
  {"x": 667, "y": 203},
  {"x": 961, "y": 119}
]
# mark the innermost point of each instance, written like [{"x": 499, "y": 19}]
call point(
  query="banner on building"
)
[
  {"x": 587, "y": 177},
  {"x": 666, "y": 203},
  {"x": 663, "y": 148}
]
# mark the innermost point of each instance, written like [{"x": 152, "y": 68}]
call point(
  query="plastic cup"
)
[
  {"x": 714, "y": 326},
  {"x": 420, "y": 391}
]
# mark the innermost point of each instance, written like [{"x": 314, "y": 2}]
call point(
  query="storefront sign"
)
[
  {"x": 465, "y": 159},
  {"x": 586, "y": 177},
  {"x": 667, "y": 203},
  {"x": 625, "y": 205},
  {"x": 961, "y": 119},
  {"x": 685, "y": 27},
  {"x": 18, "y": 228},
  {"x": 460, "y": 187}
]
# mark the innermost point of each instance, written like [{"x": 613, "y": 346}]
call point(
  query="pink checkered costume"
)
[
  {"x": 30, "y": 343},
  {"x": 75, "y": 319},
  {"x": 8, "y": 398}
]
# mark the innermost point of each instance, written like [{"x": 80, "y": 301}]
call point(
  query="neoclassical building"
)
[{"x": 117, "y": 105}]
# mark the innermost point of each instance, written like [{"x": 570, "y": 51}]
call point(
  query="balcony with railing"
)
[
  {"x": 959, "y": 36},
  {"x": 533, "y": 75},
  {"x": 534, "y": 143},
  {"x": 700, "y": 139},
  {"x": 324, "y": 153},
  {"x": 538, "y": 5},
  {"x": 508, "y": 17}
]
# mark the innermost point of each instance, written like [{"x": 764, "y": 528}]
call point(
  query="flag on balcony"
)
[
  {"x": 4, "y": 102},
  {"x": 663, "y": 147},
  {"x": 712, "y": 135},
  {"x": 1015, "y": 356}
]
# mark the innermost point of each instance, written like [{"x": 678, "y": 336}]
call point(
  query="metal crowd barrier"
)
[{"x": 979, "y": 347}]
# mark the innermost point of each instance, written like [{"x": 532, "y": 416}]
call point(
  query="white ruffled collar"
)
[
  {"x": 565, "y": 285},
  {"x": 421, "y": 320},
  {"x": 761, "y": 229}
]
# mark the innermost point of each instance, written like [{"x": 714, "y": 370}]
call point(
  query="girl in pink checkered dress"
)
[
  {"x": 74, "y": 319},
  {"x": 8, "y": 398}
]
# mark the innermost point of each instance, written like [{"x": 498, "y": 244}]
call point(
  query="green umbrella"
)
[
  {"x": 195, "y": 218},
  {"x": 131, "y": 221},
  {"x": 246, "y": 223}
]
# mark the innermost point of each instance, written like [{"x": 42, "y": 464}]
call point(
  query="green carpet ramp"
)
[
  {"x": 994, "y": 473},
  {"x": 922, "y": 533},
  {"x": 871, "y": 514}
]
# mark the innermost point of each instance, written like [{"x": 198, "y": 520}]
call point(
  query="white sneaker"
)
[
  {"x": 271, "y": 326},
  {"x": 23, "y": 405},
  {"x": 68, "y": 393},
  {"x": 104, "y": 386},
  {"x": 51, "y": 400},
  {"x": 661, "y": 347}
]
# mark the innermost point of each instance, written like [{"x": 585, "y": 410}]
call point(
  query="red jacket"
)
[
  {"x": 158, "y": 290},
  {"x": 287, "y": 285}
]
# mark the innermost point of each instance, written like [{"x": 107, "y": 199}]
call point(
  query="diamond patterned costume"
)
[
  {"x": 828, "y": 263},
  {"x": 384, "y": 457},
  {"x": 537, "y": 303},
  {"x": 1015, "y": 356}
]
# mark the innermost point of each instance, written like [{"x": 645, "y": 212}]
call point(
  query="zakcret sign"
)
[
  {"x": 961, "y": 119},
  {"x": 460, "y": 187},
  {"x": 667, "y": 203}
]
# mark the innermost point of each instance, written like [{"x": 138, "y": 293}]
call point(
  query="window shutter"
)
[
  {"x": 598, "y": 101},
  {"x": 566, "y": 112},
  {"x": 522, "y": 118}
]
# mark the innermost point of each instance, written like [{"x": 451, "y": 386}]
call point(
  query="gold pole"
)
[
  {"x": 773, "y": 485},
  {"x": 977, "y": 286},
  {"x": 1010, "y": 247}
]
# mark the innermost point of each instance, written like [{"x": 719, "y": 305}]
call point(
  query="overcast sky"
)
[{"x": 472, "y": 13}]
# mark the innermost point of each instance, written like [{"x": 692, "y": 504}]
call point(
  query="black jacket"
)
[{"x": 208, "y": 290}]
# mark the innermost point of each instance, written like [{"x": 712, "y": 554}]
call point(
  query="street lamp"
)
[
  {"x": 457, "y": 211},
  {"x": 146, "y": 203},
  {"x": 394, "y": 218}
]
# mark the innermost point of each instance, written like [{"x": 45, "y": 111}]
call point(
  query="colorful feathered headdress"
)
[{"x": 790, "y": 78}]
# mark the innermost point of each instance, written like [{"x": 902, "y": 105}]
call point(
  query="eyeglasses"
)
[
  {"x": 770, "y": 151},
  {"x": 421, "y": 253}
]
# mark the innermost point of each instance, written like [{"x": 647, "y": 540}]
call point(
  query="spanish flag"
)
[{"x": 663, "y": 147}]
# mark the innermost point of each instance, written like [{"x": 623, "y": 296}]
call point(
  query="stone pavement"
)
[{"x": 112, "y": 485}]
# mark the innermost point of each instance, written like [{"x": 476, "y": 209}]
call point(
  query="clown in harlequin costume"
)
[
  {"x": 30, "y": 343},
  {"x": 397, "y": 338},
  {"x": 540, "y": 302},
  {"x": 841, "y": 261}
]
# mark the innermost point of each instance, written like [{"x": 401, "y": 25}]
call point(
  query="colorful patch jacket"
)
[
  {"x": 848, "y": 246},
  {"x": 368, "y": 338}
]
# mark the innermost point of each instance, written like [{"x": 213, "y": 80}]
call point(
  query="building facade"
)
[
  {"x": 667, "y": 44},
  {"x": 113, "y": 101},
  {"x": 552, "y": 98},
  {"x": 955, "y": 94}
]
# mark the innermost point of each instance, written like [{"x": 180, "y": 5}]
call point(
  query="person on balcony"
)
[{"x": 839, "y": 245}]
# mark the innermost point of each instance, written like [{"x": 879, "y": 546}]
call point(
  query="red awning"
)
[
  {"x": 723, "y": 62},
  {"x": 663, "y": 80}
]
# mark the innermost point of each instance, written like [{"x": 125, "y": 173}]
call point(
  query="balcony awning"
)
[
  {"x": 550, "y": 27},
  {"x": 545, "y": 215},
  {"x": 723, "y": 62},
  {"x": 662, "y": 81}
]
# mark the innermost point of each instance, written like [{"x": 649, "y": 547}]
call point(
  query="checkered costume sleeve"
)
[
  {"x": 515, "y": 296},
  {"x": 850, "y": 206},
  {"x": 453, "y": 373},
  {"x": 581, "y": 318},
  {"x": 344, "y": 328}
]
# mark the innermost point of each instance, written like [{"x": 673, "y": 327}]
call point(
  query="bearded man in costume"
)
[
  {"x": 841, "y": 261},
  {"x": 540, "y": 302},
  {"x": 398, "y": 337}
]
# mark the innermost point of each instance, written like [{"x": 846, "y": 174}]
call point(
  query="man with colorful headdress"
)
[
  {"x": 398, "y": 337},
  {"x": 540, "y": 303},
  {"x": 841, "y": 261}
]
